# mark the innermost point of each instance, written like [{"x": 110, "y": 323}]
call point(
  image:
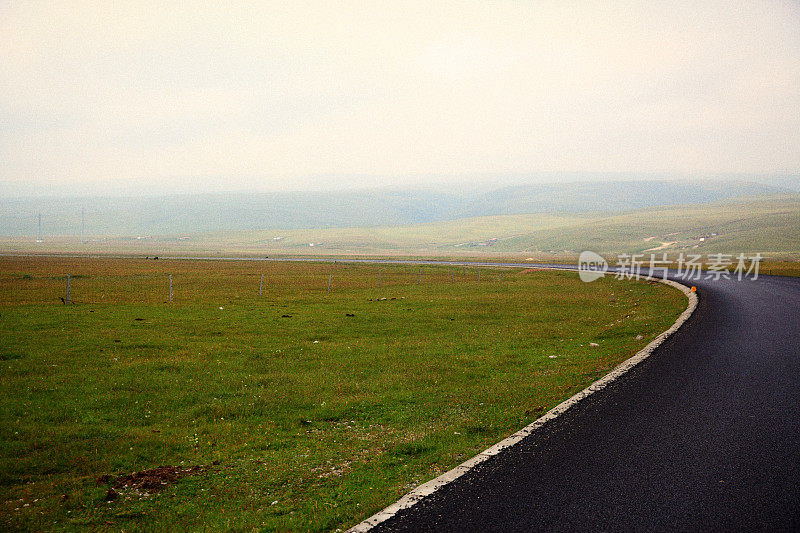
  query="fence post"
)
[
  {"x": 479, "y": 274},
  {"x": 419, "y": 280},
  {"x": 170, "y": 287},
  {"x": 451, "y": 275},
  {"x": 68, "y": 300},
  {"x": 261, "y": 285},
  {"x": 379, "y": 278},
  {"x": 330, "y": 278}
]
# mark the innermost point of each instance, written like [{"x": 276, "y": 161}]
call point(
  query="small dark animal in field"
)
[
  {"x": 286, "y": 316},
  {"x": 138, "y": 319},
  {"x": 349, "y": 314},
  {"x": 62, "y": 300}
]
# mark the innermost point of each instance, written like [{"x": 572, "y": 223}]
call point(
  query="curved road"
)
[{"x": 703, "y": 435}]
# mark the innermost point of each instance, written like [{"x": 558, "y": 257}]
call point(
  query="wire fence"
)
[{"x": 120, "y": 281}]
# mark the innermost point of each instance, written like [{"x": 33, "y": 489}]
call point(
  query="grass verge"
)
[{"x": 304, "y": 409}]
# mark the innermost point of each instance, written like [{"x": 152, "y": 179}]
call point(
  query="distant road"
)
[{"x": 703, "y": 435}]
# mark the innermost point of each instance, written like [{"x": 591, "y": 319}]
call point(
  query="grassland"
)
[
  {"x": 307, "y": 410},
  {"x": 769, "y": 225}
]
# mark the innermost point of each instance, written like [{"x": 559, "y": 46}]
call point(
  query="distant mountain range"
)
[{"x": 200, "y": 213}]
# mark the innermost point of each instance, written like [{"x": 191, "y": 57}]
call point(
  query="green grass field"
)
[{"x": 306, "y": 410}]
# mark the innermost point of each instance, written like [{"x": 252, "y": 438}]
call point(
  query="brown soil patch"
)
[
  {"x": 148, "y": 481},
  {"x": 533, "y": 269}
]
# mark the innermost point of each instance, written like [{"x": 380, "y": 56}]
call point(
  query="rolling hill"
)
[
  {"x": 766, "y": 224},
  {"x": 202, "y": 213}
]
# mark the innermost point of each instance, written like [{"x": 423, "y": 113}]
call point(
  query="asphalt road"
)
[{"x": 703, "y": 435}]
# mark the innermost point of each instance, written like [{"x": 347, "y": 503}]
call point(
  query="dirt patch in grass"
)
[
  {"x": 532, "y": 270},
  {"x": 148, "y": 481}
]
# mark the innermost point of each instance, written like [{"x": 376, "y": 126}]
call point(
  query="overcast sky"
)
[{"x": 294, "y": 95}]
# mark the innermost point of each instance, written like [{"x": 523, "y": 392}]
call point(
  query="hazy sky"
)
[{"x": 284, "y": 95}]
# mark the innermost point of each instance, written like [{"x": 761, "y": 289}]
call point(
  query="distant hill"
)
[
  {"x": 766, "y": 224},
  {"x": 201, "y": 213},
  {"x": 608, "y": 197},
  {"x": 180, "y": 214}
]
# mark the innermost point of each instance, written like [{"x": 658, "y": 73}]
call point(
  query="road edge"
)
[{"x": 435, "y": 484}]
